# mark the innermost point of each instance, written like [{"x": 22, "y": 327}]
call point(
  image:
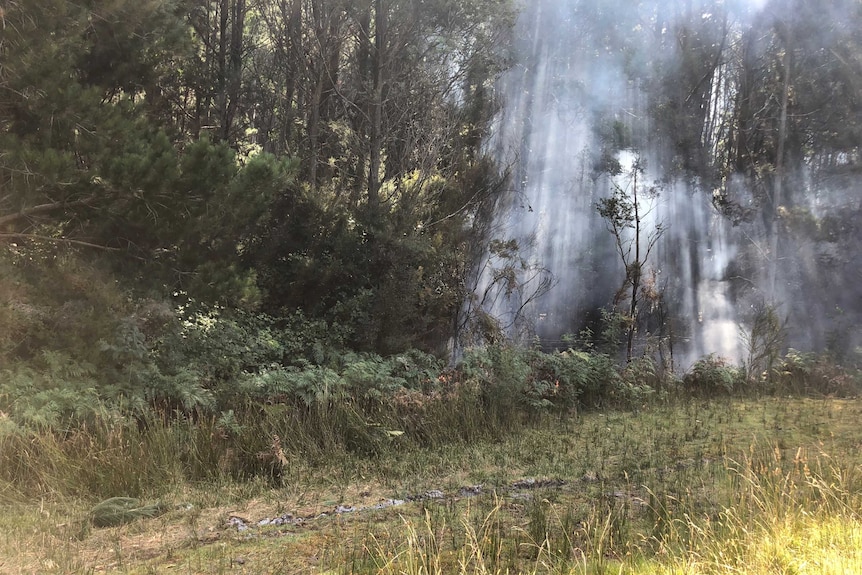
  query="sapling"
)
[{"x": 624, "y": 213}]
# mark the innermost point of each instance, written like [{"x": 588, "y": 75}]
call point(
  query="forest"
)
[
  {"x": 289, "y": 182},
  {"x": 241, "y": 240}
]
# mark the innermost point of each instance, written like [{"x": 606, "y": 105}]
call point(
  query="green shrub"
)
[
  {"x": 575, "y": 378},
  {"x": 370, "y": 379},
  {"x": 711, "y": 376},
  {"x": 812, "y": 374},
  {"x": 418, "y": 370},
  {"x": 53, "y": 392},
  {"x": 639, "y": 381},
  {"x": 502, "y": 373},
  {"x": 513, "y": 379},
  {"x": 599, "y": 380}
]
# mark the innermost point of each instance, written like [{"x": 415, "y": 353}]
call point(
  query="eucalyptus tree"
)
[
  {"x": 781, "y": 147},
  {"x": 626, "y": 212}
]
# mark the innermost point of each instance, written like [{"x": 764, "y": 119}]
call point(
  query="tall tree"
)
[{"x": 625, "y": 212}]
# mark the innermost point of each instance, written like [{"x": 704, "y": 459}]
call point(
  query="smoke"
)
[{"x": 579, "y": 98}]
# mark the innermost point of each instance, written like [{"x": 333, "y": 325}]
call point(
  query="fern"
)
[
  {"x": 417, "y": 369},
  {"x": 54, "y": 394},
  {"x": 185, "y": 387},
  {"x": 269, "y": 382},
  {"x": 60, "y": 367},
  {"x": 127, "y": 345},
  {"x": 318, "y": 386},
  {"x": 370, "y": 378},
  {"x": 309, "y": 385}
]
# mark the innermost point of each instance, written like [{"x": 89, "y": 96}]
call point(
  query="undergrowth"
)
[
  {"x": 783, "y": 515},
  {"x": 77, "y": 352},
  {"x": 156, "y": 399},
  {"x": 724, "y": 485},
  {"x": 62, "y": 431}
]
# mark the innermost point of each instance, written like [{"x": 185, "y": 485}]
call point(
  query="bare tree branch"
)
[
  {"x": 42, "y": 209},
  {"x": 14, "y": 236}
]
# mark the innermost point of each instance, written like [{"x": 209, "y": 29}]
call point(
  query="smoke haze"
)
[{"x": 581, "y": 95}]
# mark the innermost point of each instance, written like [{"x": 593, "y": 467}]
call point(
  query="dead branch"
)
[{"x": 13, "y": 236}]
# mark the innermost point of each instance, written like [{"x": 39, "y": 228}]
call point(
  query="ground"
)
[{"x": 573, "y": 494}]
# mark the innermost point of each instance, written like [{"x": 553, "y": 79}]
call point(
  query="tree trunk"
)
[
  {"x": 362, "y": 120},
  {"x": 635, "y": 272},
  {"x": 376, "y": 136},
  {"x": 778, "y": 183},
  {"x": 314, "y": 130},
  {"x": 233, "y": 80},
  {"x": 295, "y": 58},
  {"x": 221, "y": 62}
]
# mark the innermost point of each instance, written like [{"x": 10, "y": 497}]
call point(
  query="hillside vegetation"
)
[
  {"x": 247, "y": 257},
  {"x": 158, "y": 436}
]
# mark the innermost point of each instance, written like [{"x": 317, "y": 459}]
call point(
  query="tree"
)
[
  {"x": 693, "y": 40},
  {"x": 72, "y": 131},
  {"x": 165, "y": 131},
  {"x": 391, "y": 105},
  {"x": 624, "y": 213}
]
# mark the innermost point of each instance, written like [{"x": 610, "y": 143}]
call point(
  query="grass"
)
[{"x": 772, "y": 485}]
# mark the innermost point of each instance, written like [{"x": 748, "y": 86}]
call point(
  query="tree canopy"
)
[{"x": 329, "y": 155}]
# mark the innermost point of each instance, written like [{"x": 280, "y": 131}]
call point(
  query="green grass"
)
[{"x": 725, "y": 486}]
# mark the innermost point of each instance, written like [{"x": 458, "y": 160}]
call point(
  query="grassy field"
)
[{"x": 761, "y": 486}]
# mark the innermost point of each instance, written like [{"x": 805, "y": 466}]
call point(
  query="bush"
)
[
  {"x": 215, "y": 359},
  {"x": 576, "y": 378},
  {"x": 502, "y": 373},
  {"x": 53, "y": 392},
  {"x": 639, "y": 381},
  {"x": 519, "y": 379},
  {"x": 812, "y": 374},
  {"x": 712, "y": 376}
]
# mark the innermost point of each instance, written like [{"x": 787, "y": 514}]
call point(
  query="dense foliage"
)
[
  {"x": 206, "y": 204},
  {"x": 314, "y": 155}
]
